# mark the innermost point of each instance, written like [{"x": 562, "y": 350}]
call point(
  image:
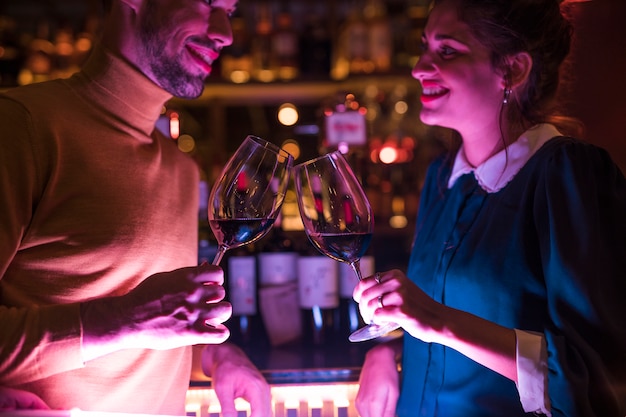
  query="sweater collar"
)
[
  {"x": 123, "y": 90},
  {"x": 497, "y": 171}
]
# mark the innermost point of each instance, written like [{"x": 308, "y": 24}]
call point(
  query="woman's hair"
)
[{"x": 537, "y": 27}]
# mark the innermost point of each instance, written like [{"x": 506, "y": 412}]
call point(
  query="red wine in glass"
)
[
  {"x": 343, "y": 247},
  {"x": 234, "y": 233},
  {"x": 337, "y": 218},
  {"x": 248, "y": 195}
]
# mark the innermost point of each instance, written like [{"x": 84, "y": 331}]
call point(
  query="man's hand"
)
[
  {"x": 14, "y": 399},
  {"x": 183, "y": 307},
  {"x": 234, "y": 376},
  {"x": 379, "y": 382}
]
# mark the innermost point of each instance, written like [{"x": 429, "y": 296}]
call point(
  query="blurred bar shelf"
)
[{"x": 298, "y": 91}]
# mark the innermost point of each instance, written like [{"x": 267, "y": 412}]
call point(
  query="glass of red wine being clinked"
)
[
  {"x": 247, "y": 197},
  {"x": 337, "y": 218}
]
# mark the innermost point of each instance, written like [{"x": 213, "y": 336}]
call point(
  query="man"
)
[{"x": 99, "y": 301}]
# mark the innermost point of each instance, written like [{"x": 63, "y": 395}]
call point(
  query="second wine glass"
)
[
  {"x": 248, "y": 195},
  {"x": 337, "y": 218}
]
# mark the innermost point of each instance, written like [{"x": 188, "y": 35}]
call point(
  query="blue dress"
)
[{"x": 546, "y": 253}]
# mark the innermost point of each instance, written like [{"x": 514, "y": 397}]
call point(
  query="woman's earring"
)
[{"x": 507, "y": 93}]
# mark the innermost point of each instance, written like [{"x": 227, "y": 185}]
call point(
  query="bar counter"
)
[{"x": 306, "y": 380}]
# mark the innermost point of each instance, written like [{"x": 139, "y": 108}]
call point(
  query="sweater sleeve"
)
[
  {"x": 29, "y": 333},
  {"x": 580, "y": 217}
]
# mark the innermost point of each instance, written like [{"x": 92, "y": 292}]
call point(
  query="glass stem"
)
[
  {"x": 356, "y": 266},
  {"x": 221, "y": 250}
]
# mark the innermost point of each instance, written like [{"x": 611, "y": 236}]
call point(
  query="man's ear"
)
[{"x": 518, "y": 68}]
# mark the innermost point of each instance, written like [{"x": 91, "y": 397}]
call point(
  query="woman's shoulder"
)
[
  {"x": 570, "y": 150},
  {"x": 574, "y": 160}
]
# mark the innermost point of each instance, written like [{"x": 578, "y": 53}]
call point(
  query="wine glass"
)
[
  {"x": 248, "y": 195},
  {"x": 337, "y": 218}
]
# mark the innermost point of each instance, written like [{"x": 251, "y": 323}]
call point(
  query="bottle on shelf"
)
[
  {"x": 351, "y": 52},
  {"x": 278, "y": 288},
  {"x": 285, "y": 47},
  {"x": 261, "y": 45},
  {"x": 379, "y": 37},
  {"x": 318, "y": 291},
  {"x": 245, "y": 324},
  {"x": 315, "y": 47}
]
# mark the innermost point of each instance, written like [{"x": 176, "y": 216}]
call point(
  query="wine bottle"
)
[
  {"x": 278, "y": 296},
  {"x": 285, "y": 47},
  {"x": 261, "y": 46},
  {"x": 380, "y": 44},
  {"x": 315, "y": 47},
  {"x": 319, "y": 297},
  {"x": 245, "y": 324},
  {"x": 353, "y": 43}
]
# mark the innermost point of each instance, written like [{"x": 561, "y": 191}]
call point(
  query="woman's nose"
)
[{"x": 424, "y": 66}]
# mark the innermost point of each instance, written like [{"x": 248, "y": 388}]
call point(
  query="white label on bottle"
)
[
  {"x": 277, "y": 268},
  {"x": 348, "y": 279},
  {"x": 281, "y": 313},
  {"x": 318, "y": 282},
  {"x": 242, "y": 285}
]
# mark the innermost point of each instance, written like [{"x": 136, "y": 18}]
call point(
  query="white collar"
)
[{"x": 497, "y": 171}]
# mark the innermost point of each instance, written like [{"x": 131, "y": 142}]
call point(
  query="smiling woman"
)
[{"x": 505, "y": 295}]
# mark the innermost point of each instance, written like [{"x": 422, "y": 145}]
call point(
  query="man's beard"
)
[
  {"x": 173, "y": 78},
  {"x": 168, "y": 71}
]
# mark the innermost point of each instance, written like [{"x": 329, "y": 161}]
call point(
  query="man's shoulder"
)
[
  {"x": 46, "y": 94},
  {"x": 44, "y": 103}
]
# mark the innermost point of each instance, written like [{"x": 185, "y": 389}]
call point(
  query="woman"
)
[{"x": 513, "y": 298}]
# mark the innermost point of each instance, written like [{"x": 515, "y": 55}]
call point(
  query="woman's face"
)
[
  {"x": 180, "y": 40},
  {"x": 460, "y": 88}
]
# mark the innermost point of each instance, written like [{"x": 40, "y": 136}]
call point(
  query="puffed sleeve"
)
[
  {"x": 580, "y": 216},
  {"x": 28, "y": 334}
]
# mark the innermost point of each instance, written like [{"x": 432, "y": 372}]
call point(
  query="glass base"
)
[{"x": 372, "y": 331}]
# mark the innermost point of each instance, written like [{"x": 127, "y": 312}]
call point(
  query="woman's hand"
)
[
  {"x": 379, "y": 382},
  {"x": 391, "y": 297},
  {"x": 234, "y": 376}
]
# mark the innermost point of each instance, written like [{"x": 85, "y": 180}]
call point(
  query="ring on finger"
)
[{"x": 380, "y": 301}]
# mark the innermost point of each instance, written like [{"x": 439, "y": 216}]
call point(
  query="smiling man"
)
[
  {"x": 101, "y": 298},
  {"x": 175, "y": 43}
]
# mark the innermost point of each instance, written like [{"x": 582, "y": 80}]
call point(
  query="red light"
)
[{"x": 174, "y": 125}]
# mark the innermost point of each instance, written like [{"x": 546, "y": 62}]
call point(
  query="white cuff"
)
[{"x": 532, "y": 372}]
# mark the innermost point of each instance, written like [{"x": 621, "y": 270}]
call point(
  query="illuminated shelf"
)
[{"x": 295, "y": 91}]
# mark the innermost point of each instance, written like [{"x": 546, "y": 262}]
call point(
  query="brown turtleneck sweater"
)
[{"x": 92, "y": 201}]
